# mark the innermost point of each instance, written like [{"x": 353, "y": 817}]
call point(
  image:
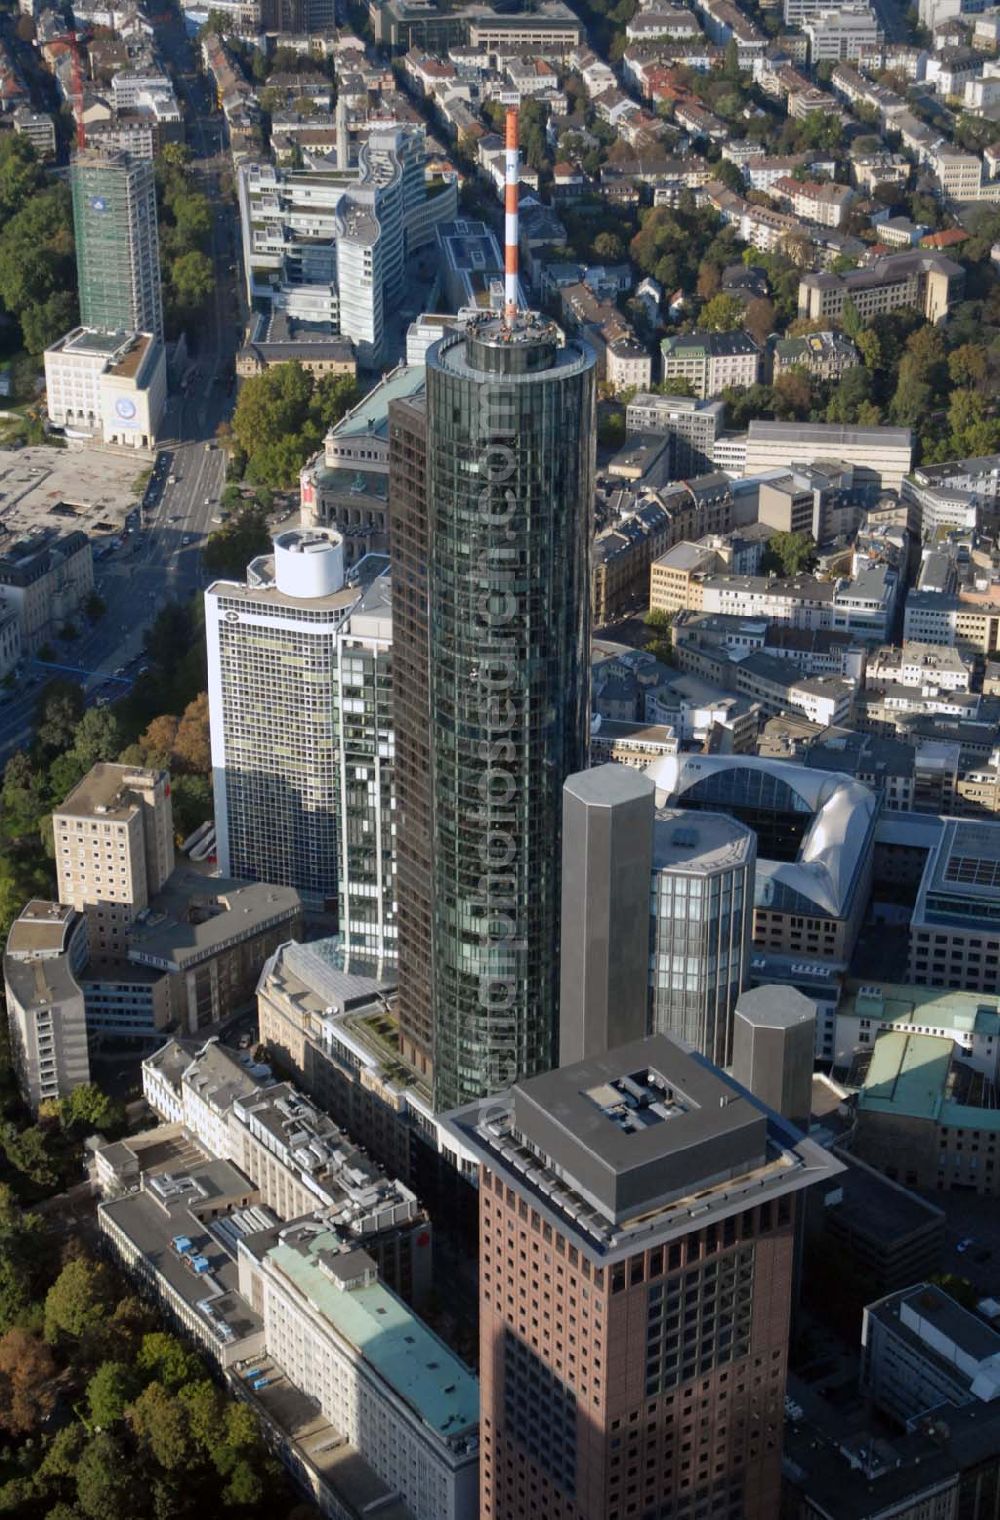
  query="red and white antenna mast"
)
[{"x": 512, "y": 175}]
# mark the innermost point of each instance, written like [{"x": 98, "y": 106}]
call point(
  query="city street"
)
[{"x": 161, "y": 560}]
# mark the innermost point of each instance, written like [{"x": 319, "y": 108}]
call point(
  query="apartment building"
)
[
  {"x": 114, "y": 847},
  {"x": 827, "y": 355},
  {"x": 934, "y": 666},
  {"x": 827, "y": 205},
  {"x": 45, "y": 579},
  {"x": 959, "y": 175},
  {"x": 841, "y": 33},
  {"x": 674, "y": 577},
  {"x": 927, "y": 281},
  {"x": 623, "y": 554},
  {"x": 46, "y": 1016},
  {"x": 711, "y": 361}
]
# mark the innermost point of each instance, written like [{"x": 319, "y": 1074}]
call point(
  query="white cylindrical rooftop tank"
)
[{"x": 309, "y": 563}]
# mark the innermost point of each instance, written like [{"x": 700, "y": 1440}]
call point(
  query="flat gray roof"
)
[
  {"x": 196, "y": 916},
  {"x": 606, "y": 785},
  {"x": 776, "y": 1007},
  {"x": 832, "y": 433},
  {"x": 103, "y": 792},
  {"x": 637, "y": 1146},
  {"x": 696, "y": 843}
]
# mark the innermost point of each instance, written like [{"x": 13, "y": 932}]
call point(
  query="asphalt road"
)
[{"x": 161, "y": 560}]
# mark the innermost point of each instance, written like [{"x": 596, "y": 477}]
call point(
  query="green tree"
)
[
  {"x": 36, "y": 252},
  {"x": 332, "y": 397},
  {"x": 661, "y": 642},
  {"x": 22, "y": 799},
  {"x": 87, "y": 1108},
  {"x": 275, "y": 425},
  {"x": 20, "y": 174},
  {"x": 29, "y": 1151},
  {"x": 968, "y": 365},
  {"x": 244, "y": 1488},
  {"x": 23, "y": 1254},
  {"x": 850, "y": 319},
  {"x": 229, "y": 551},
  {"x": 723, "y": 313},
  {"x": 97, "y": 736},
  {"x": 163, "y": 1357},
  {"x": 78, "y": 1301},
  {"x": 849, "y": 393},
  {"x": 789, "y": 553},
  {"x": 107, "y": 1484},
  {"x": 59, "y": 710},
  {"x": 159, "y": 1421},
  {"x": 609, "y": 248},
  {"x": 192, "y": 279},
  {"x": 113, "y": 1386},
  {"x": 203, "y": 1404},
  {"x": 43, "y": 321}
]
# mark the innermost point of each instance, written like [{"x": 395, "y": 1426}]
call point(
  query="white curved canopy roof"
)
[{"x": 834, "y": 843}]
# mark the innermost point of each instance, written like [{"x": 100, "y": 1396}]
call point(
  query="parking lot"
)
[{"x": 68, "y": 488}]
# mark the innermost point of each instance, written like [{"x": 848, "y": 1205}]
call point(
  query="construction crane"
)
[{"x": 76, "y": 87}]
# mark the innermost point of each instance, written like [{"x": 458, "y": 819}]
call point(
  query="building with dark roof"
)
[
  {"x": 711, "y": 360},
  {"x": 928, "y": 281}
]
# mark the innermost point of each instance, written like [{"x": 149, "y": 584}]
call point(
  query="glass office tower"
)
[{"x": 510, "y": 459}]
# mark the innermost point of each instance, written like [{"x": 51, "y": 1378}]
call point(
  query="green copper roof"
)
[{"x": 418, "y": 1366}]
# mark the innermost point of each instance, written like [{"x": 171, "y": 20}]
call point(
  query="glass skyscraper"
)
[
  {"x": 117, "y": 246},
  {"x": 701, "y": 922},
  {"x": 505, "y": 625}
]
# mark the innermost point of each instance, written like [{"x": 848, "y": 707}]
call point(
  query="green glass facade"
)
[
  {"x": 117, "y": 247},
  {"x": 510, "y": 451}
]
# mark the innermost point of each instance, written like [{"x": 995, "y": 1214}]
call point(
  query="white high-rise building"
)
[
  {"x": 299, "y": 689},
  {"x": 272, "y": 657},
  {"x": 332, "y": 241}
]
